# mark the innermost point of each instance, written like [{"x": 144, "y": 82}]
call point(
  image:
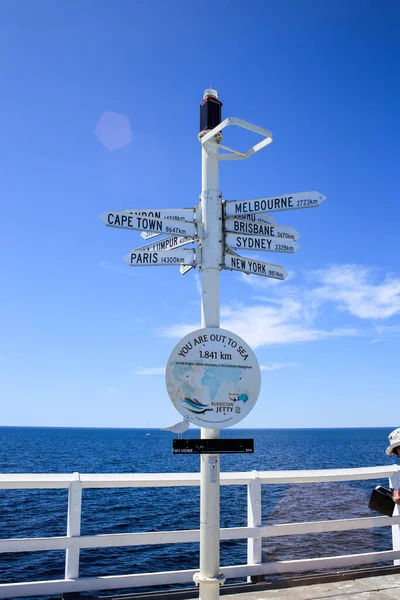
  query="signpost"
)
[
  {"x": 168, "y": 243},
  {"x": 256, "y": 242},
  {"x": 124, "y": 220},
  {"x": 274, "y": 203},
  {"x": 166, "y": 258},
  {"x": 147, "y": 235},
  {"x": 173, "y": 214},
  {"x": 185, "y": 269},
  {"x": 154, "y": 259},
  {"x": 219, "y": 446},
  {"x": 257, "y": 228},
  {"x": 234, "y": 262},
  {"x": 212, "y": 376},
  {"x": 258, "y": 218}
]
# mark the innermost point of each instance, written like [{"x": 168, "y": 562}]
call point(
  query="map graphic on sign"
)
[{"x": 213, "y": 378}]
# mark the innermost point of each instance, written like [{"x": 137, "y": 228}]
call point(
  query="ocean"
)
[{"x": 40, "y": 513}]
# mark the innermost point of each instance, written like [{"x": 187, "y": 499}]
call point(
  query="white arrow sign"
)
[
  {"x": 274, "y": 203},
  {"x": 174, "y": 214},
  {"x": 147, "y": 235},
  {"x": 253, "y": 242},
  {"x": 125, "y": 220},
  {"x": 258, "y": 218},
  {"x": 251, "y": 228},
  {"x": 168, "y": 243},
  {"x": 186, "y": 268},
  {"x": 234, "y": 262},
  {"x": 153, "y": 259}
]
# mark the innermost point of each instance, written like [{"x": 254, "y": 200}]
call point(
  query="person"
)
[{"x": 394, "y": 448}]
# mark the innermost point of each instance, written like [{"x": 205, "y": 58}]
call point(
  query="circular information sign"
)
[{"x": 213, "y": 378}]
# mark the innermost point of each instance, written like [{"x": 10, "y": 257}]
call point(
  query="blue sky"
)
[{"x": 99, "y": 111}]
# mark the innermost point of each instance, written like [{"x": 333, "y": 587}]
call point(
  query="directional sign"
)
[
  {"x": 174, "y": 214},
  {"x": 168, "y": 243},
  {"x": 147, "y": 235},
  {"x": 254, "y": 242},
  {"x": 214, "y": 446},
  {"x": 124, "y": 220},
  {"x": 154, "y": 259},
  {"x": 234, "y": 262},
  {"x": 186, "y": 268},
  {"x": 251, "y": 228},
  {"x": 273, "y": 203},
  {"x": 258, "y": 218}
]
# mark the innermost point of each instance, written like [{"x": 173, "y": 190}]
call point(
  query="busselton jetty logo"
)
[
  {"x": 195, "y": 406},
  {"x": 198, "y": 408}
]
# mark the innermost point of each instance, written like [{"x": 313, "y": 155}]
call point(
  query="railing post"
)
[
  {"x": 394, "y": 482},
  {"x": 254, "y": 519},
  {"x": 73, "y": 527}
]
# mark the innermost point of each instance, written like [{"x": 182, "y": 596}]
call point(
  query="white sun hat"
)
[{"x": 394, "y": 440}]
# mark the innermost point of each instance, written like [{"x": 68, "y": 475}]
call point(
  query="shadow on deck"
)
[{"x": 379, "y": 583}]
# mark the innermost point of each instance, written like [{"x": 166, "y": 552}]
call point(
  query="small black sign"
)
[{"x": 218, "y": 446}]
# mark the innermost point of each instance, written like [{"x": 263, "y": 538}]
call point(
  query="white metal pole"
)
[
  {"x": 73, "y": 527},
  {"x": 254, "y": 519},
  {"x": 209, "y": 577}
]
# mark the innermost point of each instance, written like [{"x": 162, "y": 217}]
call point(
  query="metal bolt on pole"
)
[{"x": 209, "y": 578}]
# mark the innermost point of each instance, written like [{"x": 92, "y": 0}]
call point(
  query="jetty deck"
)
[
  {"x": 380, "y": 587},
  {"x": 376, "y": 583}
]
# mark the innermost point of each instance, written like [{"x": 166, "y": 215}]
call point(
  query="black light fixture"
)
[{"x": 210, "y": 110}]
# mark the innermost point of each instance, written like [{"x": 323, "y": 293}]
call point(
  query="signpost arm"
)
[{"x": 209, "y": 577}]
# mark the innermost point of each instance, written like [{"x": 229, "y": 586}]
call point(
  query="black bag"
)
[{"x": 381, "y": 501}]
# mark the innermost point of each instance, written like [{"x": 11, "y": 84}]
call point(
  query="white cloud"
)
[
  {"x": 287, "y": 322},
  {"x": 388, "y": 329},
  {"x": 385, "y": 331},
  {"x": 352, "y": 289},
  {"x": 149, "y": 371},
  {"x": 275, "y": 367},
  {"x": 284, "y": 321},
  {"x": 290, "y": 314},
  {"x": 179, "y": 330}
]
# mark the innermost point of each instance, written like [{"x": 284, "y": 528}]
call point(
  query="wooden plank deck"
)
[
  {"x": 374, "y": 583},
  {"x": 381, "y": 587}
]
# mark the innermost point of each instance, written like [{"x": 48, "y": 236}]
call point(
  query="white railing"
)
[{"x": 254, "y": 532}]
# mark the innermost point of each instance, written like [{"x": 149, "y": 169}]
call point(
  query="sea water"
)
[{"x": 42, "y": 513}]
